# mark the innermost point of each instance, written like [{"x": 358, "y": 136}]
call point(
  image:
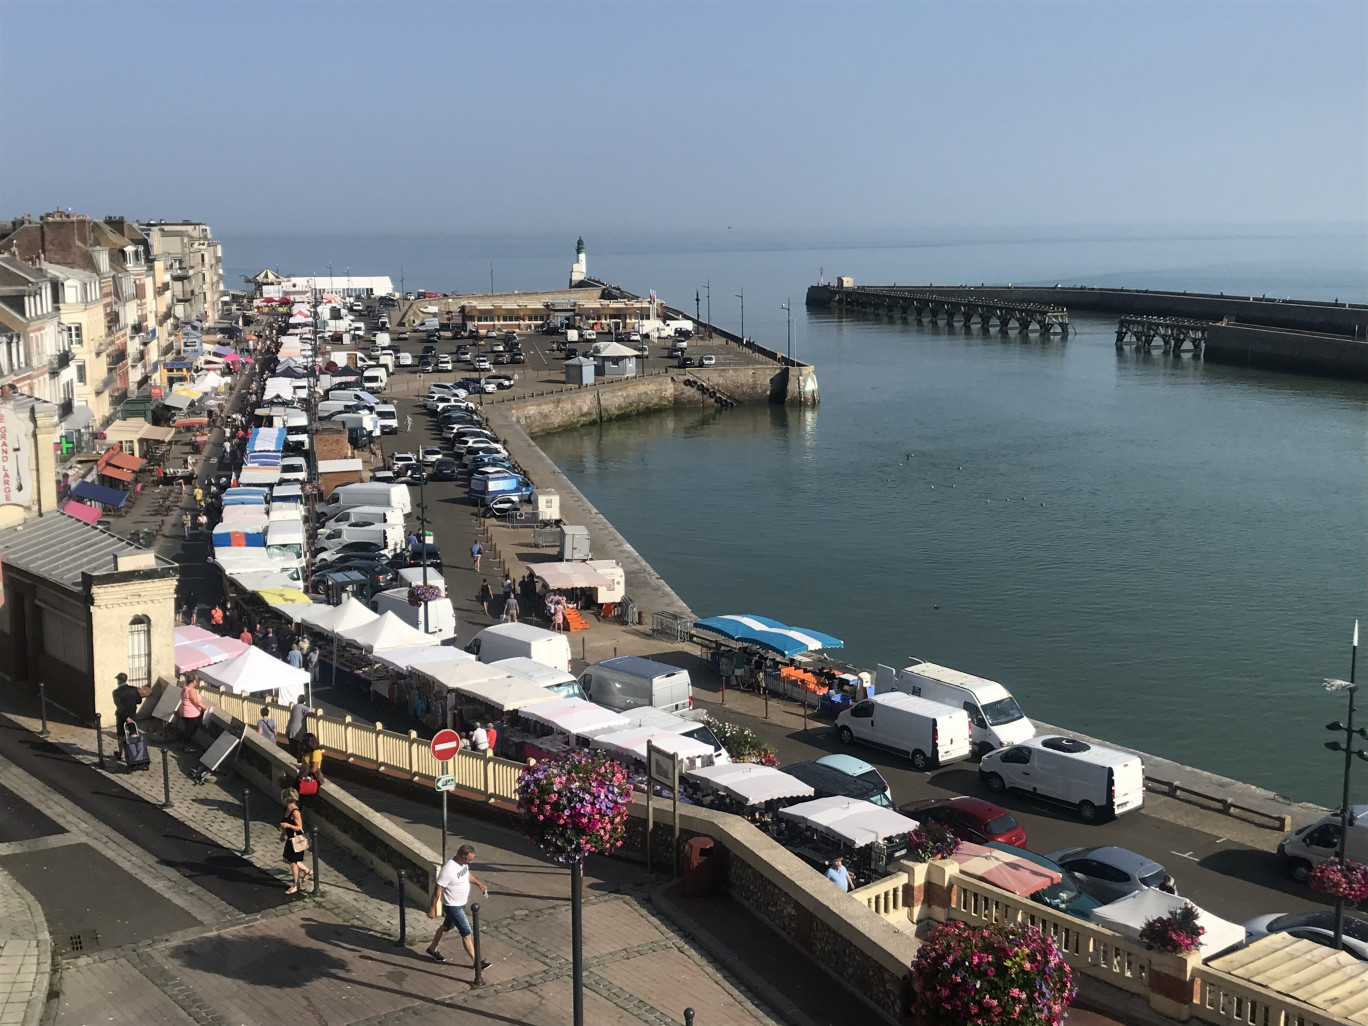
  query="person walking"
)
[
  {"x": 294, "y": 657},
  {"x": 296, "y": 844},
  {"x": 476, "y": 551},
  {"x": 266, "y": 725},
  {"x": 510, "y": 609},
  {"x": 296, "y": 726},
  {"x": 507, "y": 586},
  {"x": 191, "y": 709},
  {"x": 486, "y": 595},
  {"x": 127, "y": 698},
  {"x": 216, "y": 616},
  {"x": 452, "y": 890},
  {"x": 408, "y": 423}
]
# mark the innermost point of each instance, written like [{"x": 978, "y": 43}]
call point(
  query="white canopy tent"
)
[
  {"x": 411, "y": 656},
  {"x": 1127, "y": 915},
  {"x": 852, "y": 820},
  {"x": 345, "y": 617},
  {"x": 569, "y": 575},
  {"x": 631, "y": 744},
  {"x": 575, "y": 717},
  {"x": 507, "y": 694},
  {"x": 386, "y": 631},
  {"x": 253, "y": 672},
  {"x": 749, "y": 782}
]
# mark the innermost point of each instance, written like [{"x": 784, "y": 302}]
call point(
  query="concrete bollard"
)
[
  {"x": 403, "y": 914},
  {"x": 99, "y": 742},
  {"x": 42, "y": 705},
  {"x": 246, "y": 821},
  {"x": 475, "y": 935}
]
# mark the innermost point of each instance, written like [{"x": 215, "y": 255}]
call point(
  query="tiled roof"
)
[{"x": 60, "y": 548}]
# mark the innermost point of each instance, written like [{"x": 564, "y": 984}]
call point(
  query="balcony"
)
[
  {"x": 64, "y": 408},
  {"x": 117, "y": 356},
  {"x": 58, "y": 362},
  {"x": 106, "y": 383}
]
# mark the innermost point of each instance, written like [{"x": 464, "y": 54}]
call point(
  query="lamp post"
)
[
  {"x": 787, "y": 307},
  {"x": 742, "y": 296},
  {"x": 706, "y": 287},
  {"x": 1347, "y": 747},
  {"x": 422, "y": 535}
]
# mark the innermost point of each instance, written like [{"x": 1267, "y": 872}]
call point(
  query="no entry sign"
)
[{"x": 445, "y": 745}]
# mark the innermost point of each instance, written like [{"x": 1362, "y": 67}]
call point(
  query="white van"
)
[
  {"x": 382, "y": 322},
  {"x": 995, "y": 719},
  {"x": 285, "y": 539},
  {"x": 429, "y": 324},
  {"x": 560, "y": 682},
  {"x": 1096, "y": 781},
  {"x": 928, "y": 733},
  {"x": 382, "y": 339},
  {"x": 388, "y": 417},
  {"x": 238, "y": 559},
  {"x": 352, "y": 395},
  {"x": 439, "y": 621},
  {"x": 626, "y": 682},
  {"x": 390, "y": 537},
  {"x": 509, "y": 640},
  {"x": 376, "y": 378},
  {"x": 296, "y": 429},
  {"x": 1314, "y": 843},
  {"x": 366, "y": 493},
  {"x": 411, "y": 575},
  {"x": 354, "y": 515}
]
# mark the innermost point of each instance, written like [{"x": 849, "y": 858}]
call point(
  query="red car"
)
[{"x": 970, "y": 819}]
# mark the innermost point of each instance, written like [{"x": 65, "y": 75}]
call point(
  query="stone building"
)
[{"x": 194, "y": 262}]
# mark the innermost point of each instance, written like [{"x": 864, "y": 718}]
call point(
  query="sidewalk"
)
[
  {"x": 25, "y": 961},
  {"x": 333, "y": 959}
]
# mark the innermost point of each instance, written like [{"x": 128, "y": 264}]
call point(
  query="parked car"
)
[
  {"x": 517, "y": 357},
  {"x": 589, "y": 335},
  {"x": 294, "y": 468},
  {"x": 686, "y": 361},
  {"x": 425, "y": 364},
  {"x": 1067, "y": 896},
  {"x": 500, "y": 380},
  {"x": 857, "y": 768},
  {"x": 429, "y": 454},
  {"x": 634, "y": 336},
  {"x": 496, "y": 346},
  {"x": 351, "y": 548},
  {"x": 401, "y": 459},
  {"x": 444, "y": 362},
  {"x": 423, "y": 554},
  {"x": 707, "y": 361},
  {"x": 481, "y": 363},
  {"x": 1317, "y": 926},
  {"x": 405, "y": 359},
  {"x": 571, "y": 352},
  {"x": 502, "y": 505},
  {"x": 463, "y": 354},
  {"x": 379, "y": 575},
  {"x": 970, "y": 819},
  {"x": 1108, "y": 873},
  {"x": 445, "y": 469}
]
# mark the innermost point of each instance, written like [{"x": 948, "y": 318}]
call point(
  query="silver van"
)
[{"x": 626, "y": 682}]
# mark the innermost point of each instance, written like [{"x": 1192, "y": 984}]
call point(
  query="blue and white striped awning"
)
[
  {"x": 749, "y": 629},
  {"x": 266, "y": 440}
]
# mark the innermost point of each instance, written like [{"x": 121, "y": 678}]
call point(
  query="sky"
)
[{"x": 444, "y": 117}]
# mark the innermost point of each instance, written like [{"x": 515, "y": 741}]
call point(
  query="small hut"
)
[{"x": 579, "y": 371}]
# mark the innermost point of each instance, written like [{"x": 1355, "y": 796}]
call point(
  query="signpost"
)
[
  {"x": 662, "y": 767},
  {"x": 445, "y": 745}
]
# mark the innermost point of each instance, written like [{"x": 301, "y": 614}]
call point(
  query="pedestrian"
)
[
  {"x": 127, "y": 698},
  {"x": 311, "y": 664},
  {"x": 479, "y": 738},
  {"x": 492, "y": 737},
  {"x": 296, "y": 844},
  {"x": 294, "y": 657},
  {"x": 310, "y": 766},
  {"x": 413, "y": 541},
  {"x": 838, "y": 874},
  {"x": 191, "y": 709},
  {"x": 216, "y": 616},
  {"x": 268, "y": 641},
  {"x": 408, "y": 423},
  {"x": 266, "y": 725},
  {"x": 246, "y": 636},
  {"x": 507, "y": 585},
  {"x": 476, "y": 551},
  {"x": 486, "y": 595},
  {"x": 452, "y": 889},
  {"x": 199, "y": 496},
  {"x": 558, "y": 614},
  {"x": 510, "y": 609},
  {"x": 296, "y": 726}
]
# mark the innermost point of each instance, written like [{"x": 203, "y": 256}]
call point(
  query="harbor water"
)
[{"x": 1148, "y": 549}]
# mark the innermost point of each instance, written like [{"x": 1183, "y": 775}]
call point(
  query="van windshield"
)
[
  {"x": 702, "y": 733},
  {"x": 1004, "y": 710},
  {"x": 570, "y": 689}
]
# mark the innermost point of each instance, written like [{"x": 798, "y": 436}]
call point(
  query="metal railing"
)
[{"x": 58, "y": 361}]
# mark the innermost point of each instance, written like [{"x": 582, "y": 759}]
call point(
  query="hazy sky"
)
[{"x": 523, "y": 117}]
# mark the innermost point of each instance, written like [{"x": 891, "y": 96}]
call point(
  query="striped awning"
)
[{"x": 749, "y": 629}]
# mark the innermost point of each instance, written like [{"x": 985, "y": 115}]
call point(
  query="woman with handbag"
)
[
  {"x": 310, "y": 767},
  {"x": 296, "y": 844},
  {"x": 192, "y": 708}
]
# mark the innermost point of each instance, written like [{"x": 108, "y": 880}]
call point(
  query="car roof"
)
[
  {"x": 968, "y": 804},
  {"x": 847, "y": 764},
  {"x": 1121, "y": 858}
]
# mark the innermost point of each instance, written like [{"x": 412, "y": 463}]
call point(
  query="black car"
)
[
  {"x": 445, "y": 469},
  {"x": 425, "y": 364},
  {"x": 571, "y": 352},
  {"x": 379, "y": 575},
  {"x": 347, "y": 549},
  {"x": 424, "y": 554},
  {"x": 428, "y": 351},
  {"x": 686, "y": 361},
  {"x": 517, "y": 357},
  {"x": 432, "y": 336}
]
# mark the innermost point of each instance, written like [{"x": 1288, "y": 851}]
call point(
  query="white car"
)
[
  {"x": 294, "y": 468},
  {"x": 707, "y": 361},
  {"x": 400, "y": 460},
  {"x": 444, "y": 362},
  {"x": 634, "y": 336},
  {"x": 481, "y": 363},
  {"x": 429, "y": 454},
  {"x": 589, "y": 335},
  {"x": 405, "y": 359}
]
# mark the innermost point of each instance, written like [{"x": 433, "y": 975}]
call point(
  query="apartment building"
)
[
  {"x": 194, "y": 263},
  {"x": 35, "y": 359}
]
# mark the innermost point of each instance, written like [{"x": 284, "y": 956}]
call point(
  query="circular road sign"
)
[{"x": 445, "y": 745}]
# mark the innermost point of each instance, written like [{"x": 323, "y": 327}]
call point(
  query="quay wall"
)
[
  {"x": 1281, "y": 349},
  {"x": 1349, "y": 319}
]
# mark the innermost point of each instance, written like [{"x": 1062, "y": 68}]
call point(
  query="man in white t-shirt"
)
[{"x": 452, "y": 888}]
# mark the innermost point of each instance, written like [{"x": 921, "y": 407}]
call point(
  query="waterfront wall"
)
[
  {"x": 1280, "y": 349},
  {"x": 1350, "y": 319}
]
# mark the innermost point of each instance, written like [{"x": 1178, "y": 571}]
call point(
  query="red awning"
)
[
  {"x": 118, "y": 473},
  {"x": 191, "y": 422},
  {"x": 127, "y": 461},
  {"x": 81, "y": 511}
]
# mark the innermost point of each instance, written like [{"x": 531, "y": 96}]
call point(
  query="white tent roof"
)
[
  {"x": 1126, "y": 915},
  {"x": 415, "y": 655},
  {"x": 506, "y": 693},
  {"x": 750, "y": 782},
  {"x": 347, "y": 616},
  {"x": 254, "y": 671},
  {"x": 854, "y": 821},
  {"x": 453, "y": 673},
  {"x": 656, "y": 719},
  {"x": 570, "y": 575},
  {"x": 386, "y": 631},
  {"x": 632, "y": 743},
  {"x": 575, "y": 716}
]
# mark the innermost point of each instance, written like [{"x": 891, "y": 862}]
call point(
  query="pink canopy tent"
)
[
  {"x": 1020, "y": 876},
  {"x": 197, "y": 648}
]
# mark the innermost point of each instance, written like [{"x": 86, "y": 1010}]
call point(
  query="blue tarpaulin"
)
[
  {"x": 244, "y": 497},
  {"x": 225, "y": 537},
  {"x": 266, "y": 440},
  {"x": 179, "y": 364},
  {"x": 750, "y": 629},
  {"x": 92, "y": 492},
  {"x": 263, "y": 459}
]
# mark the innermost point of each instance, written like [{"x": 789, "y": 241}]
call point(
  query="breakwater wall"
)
[
  {"x": 1304, "y": 352},
  {"x": 1348, "y": 319}
]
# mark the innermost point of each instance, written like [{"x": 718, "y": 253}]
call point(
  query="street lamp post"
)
[
  {"x": 742, "y": 296},
  {"x": 787, "y": 307},
  {"x": 1347, "y": 747},
  {"x": 706, "y": 287}
]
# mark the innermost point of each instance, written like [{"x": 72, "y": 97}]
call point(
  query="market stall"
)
[
  {"x": 386, "y": 631},
  {"x": 254, "y": 672},
  {"x": 1127, "y": 915},
  {"x": 554, "y": 728},
  {"x": 631, "y": 745},
  {"x": 748, "y": 783},
  {"x": 492, "y": 699},
  {"x": 196, "y": 648},
  {"x": 96, "y": 494},
  {"x": 867, "y": 836},
  {"x": 757, "y": 651}
]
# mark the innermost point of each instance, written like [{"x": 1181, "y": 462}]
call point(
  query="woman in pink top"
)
[{"x": 191, "y": 709}]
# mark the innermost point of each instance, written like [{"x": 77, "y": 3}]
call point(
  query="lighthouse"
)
[{"x": 579, "y": 270}]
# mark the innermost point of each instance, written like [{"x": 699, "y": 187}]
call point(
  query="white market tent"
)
[
  {"x": 852, "y": 820},
  {"x": 506, "y": 693},
  {"x": 575, "y": 717},
  {"x": 1127, "y": 915},
  {"x": 570, "y": 575},
  {"x": 409, "y": 656},
  {"x": 346, "y": 617},
  {"x": 631, "y": 744},
  {"x": 254, "y": 671},
  {"x": 749, "y": 782},
  {"x": 387, "y": 631},
  {"x": 452, "y": 673}
]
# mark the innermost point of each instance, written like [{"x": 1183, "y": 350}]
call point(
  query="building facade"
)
[{"x": 194, "y": 264}]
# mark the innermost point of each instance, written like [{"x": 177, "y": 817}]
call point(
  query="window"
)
[
  {"x": 72, "y": 334},
  {"x": 140, "y": 651},
  {"x": 80, "y": 372},
  {"x": 1017, "y": 756},
  {"x": 864, "y": 710}
]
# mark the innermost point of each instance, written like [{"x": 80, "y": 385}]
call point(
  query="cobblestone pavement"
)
[
  {"x": 333, "y": 958},
  {"x": 24, "y": 955}
]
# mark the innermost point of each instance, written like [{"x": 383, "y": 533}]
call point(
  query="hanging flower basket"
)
[
  {"x": 1349, "y": 881},
  {"x": 1176, "y": 933},
  {"x": 931, "y": 840},
  {"x": 575, "y": 805},
  {"x": 1000, "y": 973},
  {"x": 420, "y": 593}
]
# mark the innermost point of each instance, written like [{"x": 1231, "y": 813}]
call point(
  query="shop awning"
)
[
  {"x": 126, "y": 430},
  {"x": 415, "y": 655},
  {"x": 853, "y": 820},
  {"x": 749, "y": 782},
  {"x": 157, "y": 433},
  {"x": 191, "y": 421},
  {"x": 127, "y": 461},
  {"x": 117, "y": 473},
  {"x": 177, "y": 401},
  {"x": 81, "y": 511},
  {"x": 92, "y": 492},
  {"x": 266, "y": 440},
  {"x": 749, "y": 629},
  {"x": 569, "y": 575}
]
